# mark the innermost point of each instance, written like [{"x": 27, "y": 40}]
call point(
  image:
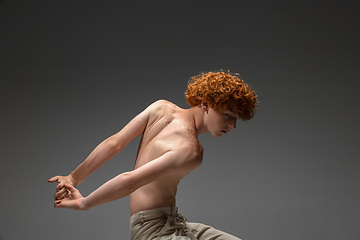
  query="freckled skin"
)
[
  {"x": 169, "y": 149},
  {"x": 179, "y": 129},
  {"x": 170, "y": 130}
]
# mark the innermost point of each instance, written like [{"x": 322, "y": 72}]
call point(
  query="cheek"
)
[
  {"x": 215, "y": 123},
  {"x": 209, "y": 122}
]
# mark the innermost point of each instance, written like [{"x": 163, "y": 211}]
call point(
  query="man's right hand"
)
[{"x": 61, "y": 191}]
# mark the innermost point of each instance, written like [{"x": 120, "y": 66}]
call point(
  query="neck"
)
[{"x": 197, "y": 115}]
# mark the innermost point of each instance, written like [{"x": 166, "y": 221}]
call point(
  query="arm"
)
[
  {"x": 170, "y": 163},
  {"x": 109, "y": 148},
  {"x": 102, "y": 153}
]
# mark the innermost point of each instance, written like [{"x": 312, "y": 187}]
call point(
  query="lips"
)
[{"x": 223, "y": 131}]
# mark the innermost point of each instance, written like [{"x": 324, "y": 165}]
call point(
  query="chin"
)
[{"x": 217, "y": 135}]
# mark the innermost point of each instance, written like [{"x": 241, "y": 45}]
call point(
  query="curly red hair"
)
[{"x": 223, "y": 91}]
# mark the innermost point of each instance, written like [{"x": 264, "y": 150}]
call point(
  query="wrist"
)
[
  {"x": 72, "y": 179},
  {"x": 84, "y": 205}
]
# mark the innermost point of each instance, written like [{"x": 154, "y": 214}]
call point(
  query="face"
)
[{"x": 220, "y": 122}]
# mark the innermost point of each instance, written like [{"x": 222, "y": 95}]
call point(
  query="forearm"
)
[
  {"x": 98, "y": 157},
  {"x": 114, "y": 189}
]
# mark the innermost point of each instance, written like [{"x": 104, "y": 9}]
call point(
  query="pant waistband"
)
[{"x": 151, "y": 214}]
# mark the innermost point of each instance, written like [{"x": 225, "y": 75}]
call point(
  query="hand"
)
[
  {"x": 61, "y": 191},
  {"x": 73, "y": 200}
]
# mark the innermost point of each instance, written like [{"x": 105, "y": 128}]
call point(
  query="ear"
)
[{"x": 205, "y": 106}]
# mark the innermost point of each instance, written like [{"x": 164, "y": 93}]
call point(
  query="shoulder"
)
[
  {"x": 159, "y": 109},
  {"x": 160, "y": 105},
  {"x": 151, "y": 114}
]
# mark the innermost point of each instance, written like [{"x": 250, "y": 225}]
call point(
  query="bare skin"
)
[{"x": 168, "y": 151}]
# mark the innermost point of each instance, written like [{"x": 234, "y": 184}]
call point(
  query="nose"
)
[{"x": 232, "y": 124}]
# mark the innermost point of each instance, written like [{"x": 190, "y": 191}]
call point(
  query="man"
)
[{"x": 168, "y": 151}]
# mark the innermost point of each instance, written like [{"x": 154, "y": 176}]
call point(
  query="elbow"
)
[
  {"x": 113, "y": 145},
  {"x": 129, "y": 182}
]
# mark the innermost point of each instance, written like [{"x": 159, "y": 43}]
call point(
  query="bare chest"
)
[{"x": 164, "y": 135}]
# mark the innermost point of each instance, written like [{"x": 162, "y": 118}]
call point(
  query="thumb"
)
[{"x": 53, "y": 179}]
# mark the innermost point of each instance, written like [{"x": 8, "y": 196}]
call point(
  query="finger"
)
[
  {"x": 53, "y": 179},
  {"x": 57, "y": 203},
  {"x": 61, "y": 193},
  {"x": 65, "y": 194},
  {"x": 70, "y": 188},
  {"x": 73, "y": 192},
  {"x": 60, "y": 185}
]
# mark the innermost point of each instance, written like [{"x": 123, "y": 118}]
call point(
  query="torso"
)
[{"x": 168, "y": 128}]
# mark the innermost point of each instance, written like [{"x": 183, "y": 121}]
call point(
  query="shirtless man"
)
[{"x": 168, "y": 151}]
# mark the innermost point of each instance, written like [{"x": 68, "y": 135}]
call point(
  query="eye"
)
[{"x": 228, "y": 115}]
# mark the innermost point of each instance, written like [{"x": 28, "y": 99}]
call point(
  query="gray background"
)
[{"x": 75, "y": 72}]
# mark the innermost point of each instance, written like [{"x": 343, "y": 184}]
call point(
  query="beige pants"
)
[{"x": 166, "y": 224}]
